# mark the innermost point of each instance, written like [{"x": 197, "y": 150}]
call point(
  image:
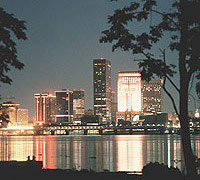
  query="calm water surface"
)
[{"x": 112, "y": 152}]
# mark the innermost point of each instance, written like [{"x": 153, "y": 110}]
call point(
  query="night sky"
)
[{"x": 63, "y": 39}]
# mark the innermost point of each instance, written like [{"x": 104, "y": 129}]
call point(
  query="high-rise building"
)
[
  {"x": 129, "y": 95},
  {"x": 22, "y": 117},
  {"x": 10, "y": 109},
  {"x": 64, "y": 106},
  {"x": 102, "y": 89},
  {"x": 113, "y": 106},
  {"x": 152, "y": 96},
  {"x": 45, "y": 108},
  {"x": 78, "y": 104}
]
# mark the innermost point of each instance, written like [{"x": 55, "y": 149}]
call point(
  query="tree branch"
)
[
  {"x": 178, "y": 90},
  {"x": 172, "y": 99},
  {"x": 170, "y": 96},
  {"x": 163, "y": 14},
  {"x": 166, "y": 91}
]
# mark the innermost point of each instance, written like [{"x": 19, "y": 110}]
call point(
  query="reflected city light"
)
[
  {"x": 113, "y": 153},
  {"x": 130, "y": 157}
]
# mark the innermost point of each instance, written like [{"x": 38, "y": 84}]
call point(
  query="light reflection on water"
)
[{"x": 114, "y": 152}]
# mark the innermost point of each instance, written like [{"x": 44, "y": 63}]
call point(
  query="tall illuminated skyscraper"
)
[
  {"x": 102, "y": 89},
  {"x": 129, "y": 95},
  {"x": 45, "y": 108}
]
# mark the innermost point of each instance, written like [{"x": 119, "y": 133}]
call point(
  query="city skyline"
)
[{"x": 60, "y": 47}]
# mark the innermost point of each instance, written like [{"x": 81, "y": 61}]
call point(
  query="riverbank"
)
[
  {"x": 32, "y": 173},
  {"x": 32, "y": 170}
]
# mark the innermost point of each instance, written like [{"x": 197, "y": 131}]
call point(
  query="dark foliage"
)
[
  {"x": 10, "y": 28},
  {"x": 158, "y": 171},
  {"x": 4, "y": 117},
  {"x": 181, "y": 25},
  {"x": 121, "y": 37}
]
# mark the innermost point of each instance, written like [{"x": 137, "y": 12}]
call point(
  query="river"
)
[{"x": 106, "y": 152}]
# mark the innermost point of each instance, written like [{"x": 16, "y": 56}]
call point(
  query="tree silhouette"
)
[
  {"x": 4, "y": 119},
  {"x": 182, "y": 25},
  {"x": 11, "y": 28}
]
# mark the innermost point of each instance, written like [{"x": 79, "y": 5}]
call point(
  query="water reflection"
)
[{"x": 114, "y": 153}]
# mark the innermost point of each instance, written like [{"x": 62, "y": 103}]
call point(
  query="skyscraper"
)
[
  {"x": 10, "y": 108},
  {"x": 152, "y": 97},
  {"x": 78, "y": 104},
  {"x": 129, "y": 95},
  {"x": 102, "y": 89},
  {"x": 45, "y": 108},
  {"x": 64, "y": 106}
]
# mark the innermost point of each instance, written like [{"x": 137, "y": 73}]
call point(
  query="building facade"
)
[
  {"x": 129, "y": 95},
  {"x": 113, "y": 107},
  {"x": 152, "y": 96},
  {"x": 22, "y": 117},
  {"x": 64, "y": 106},
  {"x": 78, "y": 104},
  {"x": 102, "y": 89},
  {"x": 45, "y": 108},
  {"x": 10, "y": 109}
]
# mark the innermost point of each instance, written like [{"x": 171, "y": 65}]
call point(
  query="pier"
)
[{"x": 64, "y": 129}]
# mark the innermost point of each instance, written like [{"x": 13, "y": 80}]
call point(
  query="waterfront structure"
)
[
  {"x": 90, "y": 120},
  {"x": 102, "y": 89},
  {"x": 10, "y": 109},
  {"x": 173, "y": 120},
  {"x": 197, "y": 114},
  {"x": 78, "y": 104},
  {"x": 155, "y": 120},
  {"x": 45, "y": 108},
  {"x": 152, "y": 97},
  {"x": 64, "y": 106},
  {"x": 129, "y": 95},
  {"x": 22, "y": 117}
]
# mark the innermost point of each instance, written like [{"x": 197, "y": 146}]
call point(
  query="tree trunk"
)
[
  {"x": 185, "y": 135},
  {"x": 184, "y": 84}
]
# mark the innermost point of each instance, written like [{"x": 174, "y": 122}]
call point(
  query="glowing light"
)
[
  {"x": 19, "y": 127},
  {"x": 129, "y": 153},
  {"x": 136, "y": 118},
  {"x": 129, "y": 92}
]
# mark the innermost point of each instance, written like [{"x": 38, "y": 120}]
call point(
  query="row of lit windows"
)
[
  {"x": 131, "y": 80},
  {"x": 101, "y": 99},
  {"x": 152, "y": 88}
]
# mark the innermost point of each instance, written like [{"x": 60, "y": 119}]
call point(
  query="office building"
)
[
  {"x": 129, "y": 95},
  {"x": 89, "y": 112},
  {"x": 152, "y": 96},
  {"x": 45, "y": 108},
  {"x": 64, "y": 106},
  {"x": 10, "y": 108},
  {"x": 102, "y": 89},
  {"x": 113, "y": 106},
  {"x": 78, "y": 104},
  {"x": 22, "y": 117}
]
